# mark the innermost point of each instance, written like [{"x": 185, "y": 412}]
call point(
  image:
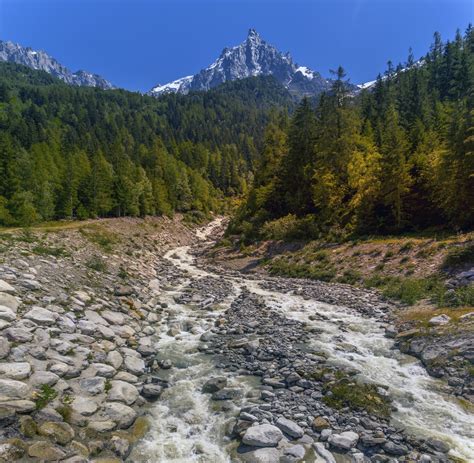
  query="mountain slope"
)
[
  {"x": 253, "y": 57},
  {"x": 40, "y": 60}
]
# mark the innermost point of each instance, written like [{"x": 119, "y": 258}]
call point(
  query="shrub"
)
[
  {"x": 291, "y": 228},
  {"x": 97, "y": 235},
  {"x": 459, "y": 257},
  {"x": 46, "y": 395},
  {"x": 97, "y": 263},
  {"x": 50, "y": 251}
]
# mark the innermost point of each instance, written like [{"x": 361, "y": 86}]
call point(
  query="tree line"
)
[
  {"x": 396, "y": 157},
  {"x": 74, "y": 152}
]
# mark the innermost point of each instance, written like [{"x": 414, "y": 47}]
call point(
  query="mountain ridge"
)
[{"x": 40, "y": 60}]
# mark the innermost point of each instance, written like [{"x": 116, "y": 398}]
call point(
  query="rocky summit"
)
[
  {"x": 253, "y": 57},
  {"x": 40, "y": 60}
]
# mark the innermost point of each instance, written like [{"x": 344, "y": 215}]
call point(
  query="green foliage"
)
[
  {"x": 68, "y": 152},
  {"x": 356, "y": 396},
  {"x": 100, "y": 236},
  {"x": 290, "y": 228},
  {"x": 464, "y": 255},
  {"x": 318, "y": 270},
  {"x": 50, "y": 251},
  {"x": 97, "y": 263},
  {"x": 45, "y": 395},
  {"x": 396, "y": 158}
]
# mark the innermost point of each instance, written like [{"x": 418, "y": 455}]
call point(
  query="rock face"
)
[
  {"x": 254, "y": 57},
  {"x": 15, "y": 53}
]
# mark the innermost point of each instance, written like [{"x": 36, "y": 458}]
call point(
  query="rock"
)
[
  {"x": 59, "y": 369},
  {"x": 21, "y": 406},
  {"x": 293, "y": 454},
  {"x": 261, "y": 455},
  {"x": 30, "y": 284},
  {"x": 227, "y": 393},
  {"x": 442, "y": 319},
  {"x": 104, "y": 370},
  {"x": 11, "y": 451},
  {"x": 120, "y": 414},
  {"x": 101, "y": 426},
  {"x": 395, "y": 449},
  {"x": 18, "y": 335},
  {"x": 87, "y": 327},
  {"x": 345, "y": 440},
  {"x": 84, "y": 406},
  {"x": 151, "y": 391},
  {"x": 82, "y": 296},
  {"x": 438, "y": 445},
  {"x": 28, "y": 427},
  {"x": 44, "y": 451},
  {"x": 262, "y": 435},
  {"x": 122, "y": 392},
  {"x": 114, "y": 318},
  {"x": 134, "y": 365},
  {"x": 320, "y": 423},
  {"x": 123, "y": 291},
  {"x": 7, "y": 314},
  {"x": 6, "y": 287},
  {"x": 60, "y": 433},
  {"x": 4, "y": 347},
  {"x": 92, "y": 386},
  {"x": 214, "y": 384},
  {"x": 289, "y": 427},
  {"x": 325, "y": 454},
  {"x": 120, "y": 446},
  {"x": 13, "y": 389},
  {"x": 16, "y": 370},
  {"x": 7, "y": 300},
  {"x": 115, "y": 359},
  {"x": 41, "y": 316}
]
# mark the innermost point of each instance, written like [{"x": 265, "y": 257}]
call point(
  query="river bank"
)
[{"x": 155, "y": 355}]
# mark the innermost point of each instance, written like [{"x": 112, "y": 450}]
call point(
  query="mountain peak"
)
[{"x": 253, "y": 57}]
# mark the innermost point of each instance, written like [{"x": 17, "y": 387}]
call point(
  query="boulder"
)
[
  {"x": 439, "y": 320},
  {"x": 134, "y": 365},
  {"x": 6, "y": 287},
  {"x": 261, "y": 455},
  {"x": 262, "y": 435},
  {"x": 289, "y": 427},
  {"x": 122, "y": 391},
  {"x": 15, "y": 370},
  {"x": 84, "y": 406},
  {"x": 18, "y": 335},
  {"x": 45, "y": 451},
  {"x": 325, "y": 454},
  {"x": 320, "y": 423},
  {"x": 13, "y": 389},
  {"x": 214, "y": 384},
  {"x": 122, "y": 415},
  {"x": 345, "y": 440},
  {"x": 59, "y": 433},
  {"x": 4, "y": 347},
  {"x": 92, "y": 386},
  {"x": 115, "y": 359},
  {"x": 7, "y": 300},
  {"x": 41, "y": 316},
  {"x": 7, "y": 314}
]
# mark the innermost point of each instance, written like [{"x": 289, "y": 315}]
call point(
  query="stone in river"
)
[{"x": 262, "y": 435}]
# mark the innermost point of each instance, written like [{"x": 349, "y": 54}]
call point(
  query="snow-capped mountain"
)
[
  {"x": 40, "y": 60},
  {"x": 253, "y": 57}
]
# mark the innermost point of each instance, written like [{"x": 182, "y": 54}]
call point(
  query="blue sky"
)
[{"x": 139, "y": 43}]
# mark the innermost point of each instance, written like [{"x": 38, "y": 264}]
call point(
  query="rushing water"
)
[{"x": 187, "y": 428}]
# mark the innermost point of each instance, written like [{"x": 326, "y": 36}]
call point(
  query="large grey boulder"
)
[
  {"x": 6, "y": 287},
  {"x": 9, "y": 301},
  {"x": 122, "y": 415},
  {"x": 14, "y": 389},
  {"x": 261, "y": 455},
  {"x": 18, "y": 335},
  {"x": 134, "y": 365},
  {"x": 15, "y": 370},
  {"x": 345, "y": 440},
  {"x": 122, "y": 391},
  {"x": 7, "y": 314},
  {"x": 290, "y": 427},
  {"x": 262, "y": 435},
  {"x": 41, "y": 316}
]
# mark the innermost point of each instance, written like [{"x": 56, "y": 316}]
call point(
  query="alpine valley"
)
[{"x": 254, "y": 264}]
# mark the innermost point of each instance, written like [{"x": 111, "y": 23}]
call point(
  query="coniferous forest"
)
[{"x": 397, "y": 157}]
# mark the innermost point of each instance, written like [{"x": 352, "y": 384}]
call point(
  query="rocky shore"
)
[{"x": 89, "y": 317}]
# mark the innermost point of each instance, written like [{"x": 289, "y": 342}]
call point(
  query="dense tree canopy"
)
[
  {"x": 72, "y": 152},
  {"x": 397, "y": 157}
]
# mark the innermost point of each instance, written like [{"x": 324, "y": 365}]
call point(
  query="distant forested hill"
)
[
  {"x": 84, "y": 152},
  {"x": 397, "y": 157}
]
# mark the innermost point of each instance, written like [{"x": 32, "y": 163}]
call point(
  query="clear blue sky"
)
[{"x": 138, "y": 43}]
